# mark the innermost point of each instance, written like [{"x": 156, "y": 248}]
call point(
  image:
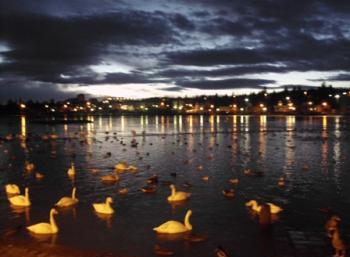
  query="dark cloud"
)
[
  {"x": 49, "y": 43},
  {"x": 225, "y": 83}
]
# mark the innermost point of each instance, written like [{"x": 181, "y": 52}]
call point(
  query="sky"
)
[{"x": 146, "y": 48}]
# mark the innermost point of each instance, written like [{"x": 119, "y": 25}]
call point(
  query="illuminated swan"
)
[
  {"x": 173, "y": 227},
  {"x": 21, "y": 200},
  {"x": 104, "y": 208},
  {"x": 177, "y": 196},
  {"x": 68, "y": 201},
  {"x": 45, "y": 228}
]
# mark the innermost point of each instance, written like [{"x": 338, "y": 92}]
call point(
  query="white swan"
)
[
  {"x": 173, "y": 227},
  {"x": 104, "y": 208},
  {"x": 177, "y": 196},
  {"x": 68, "y": 201},
  {"x": 45, "y": 228},
  {"x": 21, "y": 200},
  {"x": 12, "y": 189}
]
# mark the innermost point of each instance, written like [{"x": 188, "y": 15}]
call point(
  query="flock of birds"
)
[{"x": 265, "y": 211}]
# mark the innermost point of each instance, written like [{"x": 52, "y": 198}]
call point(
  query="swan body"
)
[
  {"x": 45, "y": 228},
  {"x": 21, "y": 200},
  {"x": 177, "y": 196},
  {"x": 68, "y": 201},
  {"x": 71, "y": 170},
  {"x": 255, "y": 207},
  {"x": 174, "y": 227},
  {"x": 104, "y": 208},
  {"x": 12, "y": 189}
]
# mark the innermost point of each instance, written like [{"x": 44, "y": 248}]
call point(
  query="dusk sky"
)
[{"x": 138, "y": 49}]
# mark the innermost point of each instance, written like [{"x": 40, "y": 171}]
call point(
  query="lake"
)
[{"x": 312, "y": 153}]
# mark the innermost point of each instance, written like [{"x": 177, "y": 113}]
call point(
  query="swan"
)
[
  {"x": 254, "y": 205},
  {"x": 12, "y": 189},
  {"x": 68, "y": 201},
  {"x": 21, "y": 200},
  {"x": 173, "y": 227},
  {"x": 177, "y": 196},
  {"x": 45, "y": 228},
  {"x": 104, "y": 208},
  {"x": 71, "y": 170}
]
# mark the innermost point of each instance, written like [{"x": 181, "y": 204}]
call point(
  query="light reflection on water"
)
[{"x": 312, "y": 152}]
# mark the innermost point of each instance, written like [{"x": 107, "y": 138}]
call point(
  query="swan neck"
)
[
  {"x": 52, "y": 222},
  {"x": 173, "y": 191},
  {"x": 187, "y": 221},
  {"x": 73, "y": 193},
  {"x": 26, "y": 194}
]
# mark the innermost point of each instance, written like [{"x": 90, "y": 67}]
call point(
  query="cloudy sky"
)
[{"x": 144, "y": 48}]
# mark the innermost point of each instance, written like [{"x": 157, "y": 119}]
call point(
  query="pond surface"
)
[{"x": 312, "y": 153}]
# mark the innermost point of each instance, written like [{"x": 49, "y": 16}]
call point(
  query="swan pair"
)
[
  {"x": 177, "y": 196},
  {"x": 175, "y": 227},
  {"x": 255, "y": 207}
]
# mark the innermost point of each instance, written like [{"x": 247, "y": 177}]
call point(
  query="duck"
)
[
  {"x": 45, "y": 228},
  {"x": 104, "y": 208},
  {"x": 110, "y": 178},
  {"x": 177, "y": 196},
  {"x": 230, "y": 193},
  {"x": 123, "y": 191},
  {"x": 281, "y": 182},
  {"x": 12, "y": 189},
  {"x": 29, "y": 166},
  {"x": 332, "y": 224},
  {"x": 205, "y": 178},
  {"x": 234, "y": 181},
  {"x": 21, "y": 200},
  {"x": 255, "y": 207},
  {"x": 68, "y": 201},
  {"x": 174, "y": 227},
  {"x": 132, "y": 168},
  {"x": 39, "y": 175},
  {"x": 121, "y": 166},
  {"x": 71, "y": 170},
  {"x": 149, "y": 189}
]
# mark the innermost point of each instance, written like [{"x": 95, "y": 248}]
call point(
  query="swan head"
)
[
  {"x": 54, "y": 211},
  {"x": 109, "y": 199},
  {"x": 189, "y": 213},
  {"x": 26, "y": 190},
  {"x": 172, "y": 186},
  {"x": 251, "y": 203}
]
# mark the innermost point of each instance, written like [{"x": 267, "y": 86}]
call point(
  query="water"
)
[{"x": 312, "y": 152}]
